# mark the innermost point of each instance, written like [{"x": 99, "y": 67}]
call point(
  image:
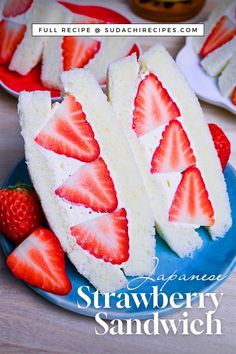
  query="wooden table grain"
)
[{"x": 30, "y": 324}]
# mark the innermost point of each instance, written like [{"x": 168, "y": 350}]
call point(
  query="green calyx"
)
[{"x": 19, "y": 185}]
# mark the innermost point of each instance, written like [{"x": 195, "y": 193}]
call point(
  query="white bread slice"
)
[
  {"x": 35, "y": 110},
  {"x": 220, "y": 9},
  {"x": 111, "y": 49},
  {"x": 52, "y": 63},
  {"x": 215, "y": 62},
  {"x": 227, "y": 80},
  {"x": 122, "y": 88},
  {"x": 29, "y": 51},
  {"x": 117, "y": 154}
]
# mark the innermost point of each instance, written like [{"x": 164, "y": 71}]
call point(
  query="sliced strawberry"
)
[
  {"x": 174, "y": 153},
  {"x": 105, "y": 237},
  {"x": 223, "y": 32},
  {"x": 14, "y": 8},
  {"x": 234, "y": 96},
  {"x": 91, "y": 186},
  {"x": 222, "y": 144},
  {"x": 78, "y": 51},
  {"x": 69, "y": 133},
  {"x": 153, "y": 106},
  {"x": 11, "y": 34},
  {"x": 39, "y": 260},
  {"x": 191, "y": 204}
]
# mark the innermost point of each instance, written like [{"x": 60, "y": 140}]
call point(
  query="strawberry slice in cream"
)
[
  {"x": 11, "y": 34},
  {"x": 223, "y": 8}
]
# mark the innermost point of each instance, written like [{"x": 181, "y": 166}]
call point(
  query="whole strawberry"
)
[
  {"x": 20, "y": 212},
  {"x": 222, "y": 144}
]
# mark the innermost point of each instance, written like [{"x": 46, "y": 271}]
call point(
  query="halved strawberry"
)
[
  {"x": 222, "y": 144},
  {"x": 174, "y": 153},
  {"x": 234, "y": 96},
  {"x": 77, "y": 51},
  {"x": 11, "y": 34},
  {"x": 153, "y": 106},
  {"x": 69, "y": 133},
  {"x": 39, "y": 260},
  {"x": 91, "y": 186},
  {"x": 14, "y": 8},
  {"x": 191, "y": 204},
  {"x": 105, "y": 237},
  {"x": 223, "y": 32}
]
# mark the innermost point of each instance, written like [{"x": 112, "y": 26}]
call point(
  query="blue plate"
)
[{"x": 214, "y": 258}]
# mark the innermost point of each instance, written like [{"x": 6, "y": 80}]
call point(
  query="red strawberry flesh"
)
[
  {"x": 223, "y": 32},
  {"x": 174, "y": 153},
  {"x": 90, "y": 186},
  {"x": 77, "y": 51},
  {"x": 222, "y": 144},
  {"x": 39, "y": 260},
  {"x": 20, "y": 212},
  {"x": 69, "y": 133},
  {"x": 191, "y": 204},
  {"x": 153, "y": 106},
  {"x": 105, "y": 237},
  {"x": 234, "y": 96},
  {"x": 11, "y": 34}
]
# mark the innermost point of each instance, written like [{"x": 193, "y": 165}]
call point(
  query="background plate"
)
[
  {"x": 218, "y": 257},
  {"x": 203, "y": 85},
  {"x": 14, "y": 83}
]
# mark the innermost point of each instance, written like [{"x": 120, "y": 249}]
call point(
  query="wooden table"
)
[{"x": 29, "y": 324}]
